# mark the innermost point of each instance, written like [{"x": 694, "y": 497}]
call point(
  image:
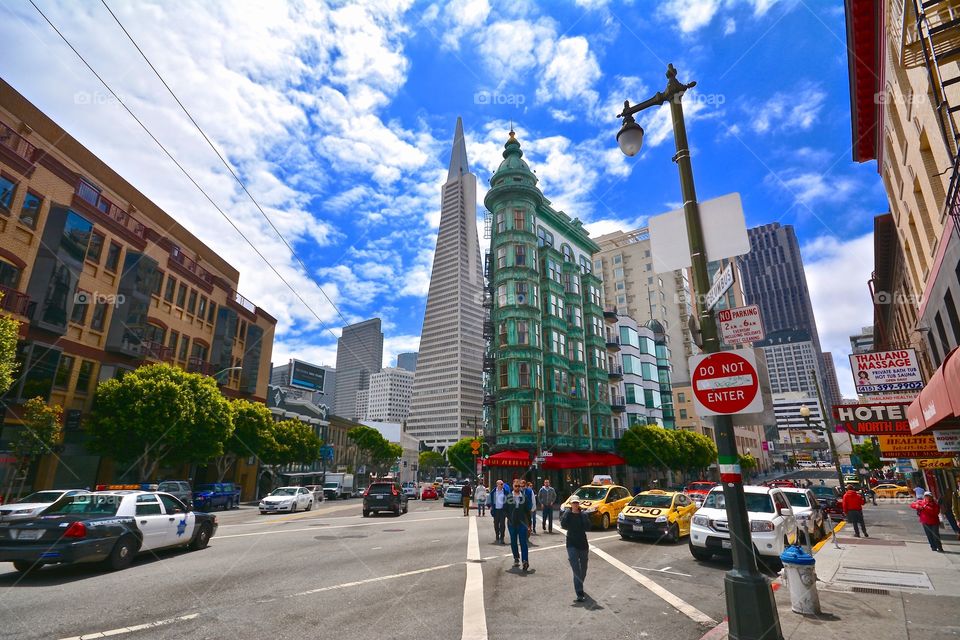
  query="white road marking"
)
[
  {"x": 139, "y": 627},
  {"x": 339, "y": 526},
  {"x": 370, "y": 580},
  {"x": 376, "y": 548},
  {"x": 664, "y": 570},
  {"x": 674, "y": 601},
  {"x": 474, "y": 613}
]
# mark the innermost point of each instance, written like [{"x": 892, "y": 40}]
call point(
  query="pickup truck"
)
[{"x": 217, "y": 495}]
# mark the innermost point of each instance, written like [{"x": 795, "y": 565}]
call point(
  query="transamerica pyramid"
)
[{"x": 447, "y": 402}]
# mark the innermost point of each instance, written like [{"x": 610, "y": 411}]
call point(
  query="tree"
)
[
  {"x": 159, "y": 415},
  {"x": 9, "y": 334},
  {"x": 460, "y": 457},
  {"x": 649, "y": 447},
  {"x": 380, "y": 453},
  {"x": 39, "y": 435},
  {"x": 868, "y": 455},
  {"x": 747, "y": 462},
  {"x": 291, "y": 442},
  {"x": 431, "y": 460},
  {"x": 252, "y": 432},
  {"x": 695, "y": 450}
]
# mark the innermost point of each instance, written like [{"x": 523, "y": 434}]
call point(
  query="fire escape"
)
[{"x": 489, "y": 362}]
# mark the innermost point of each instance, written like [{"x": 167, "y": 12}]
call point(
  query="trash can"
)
[{"x": 800, "y": 574}]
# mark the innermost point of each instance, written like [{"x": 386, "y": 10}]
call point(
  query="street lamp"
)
[
  {"x": 751, "y": 608},
  {"x": 805, "y": 414},
  {"x": 217, "y": 374}
]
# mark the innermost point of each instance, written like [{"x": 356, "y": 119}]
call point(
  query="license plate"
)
[
  {"x": 725, "y": 544},
  {"x": 28, "y": 534},
  {"x": 638, "y": 527}
]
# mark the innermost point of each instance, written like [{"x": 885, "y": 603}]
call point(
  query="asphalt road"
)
[{"x": 332, "y": 574}]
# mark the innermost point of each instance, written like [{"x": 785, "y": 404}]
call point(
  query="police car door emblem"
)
[{"x": 181, "y": 526}]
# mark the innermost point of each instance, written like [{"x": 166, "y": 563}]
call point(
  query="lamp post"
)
[
  {"x": 217, "y": 374},
  {"x": 751, "y": 608},
  {"x": 805, "y": 414}
]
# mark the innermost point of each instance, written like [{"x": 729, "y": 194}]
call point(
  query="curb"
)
[{"x": 836, "y": 530}]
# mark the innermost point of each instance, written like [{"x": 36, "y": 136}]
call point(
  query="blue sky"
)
[{"x": 339, "y": 118}]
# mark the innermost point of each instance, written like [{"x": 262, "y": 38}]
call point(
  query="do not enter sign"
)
[{"x": 725, "y": 383}]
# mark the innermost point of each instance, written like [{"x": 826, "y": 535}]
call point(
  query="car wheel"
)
[
  {"x": 406, "y": 507},
  {"x": 700, "y": 554},
  {"x": 396, "y": 512},
  {"x": 605, "y": 521},
  {"x": 366, "y": 513},
  {"x": 293, "y": 507},
  {"x": 674, "y": 534},
  {"x": 25, "y": 566},
  {"x": 310, "y": 506},
  {"x": 122, "y": 554},
  {"x": 202, "y": 539}
]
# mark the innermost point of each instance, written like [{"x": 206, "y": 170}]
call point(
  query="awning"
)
[
  {"x": 938, "y": 405},
  {"x": 509, "y": 458},
  {"x": 580, "y": 459}
]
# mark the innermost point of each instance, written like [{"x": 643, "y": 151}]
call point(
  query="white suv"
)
[{"x": 772, "y": 524}]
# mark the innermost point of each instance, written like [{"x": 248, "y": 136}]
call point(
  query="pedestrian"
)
[
  {"x": 852, "y": 503},
  {"x": 532, "y": 496},
  {"x": 823, "y": 482},
  {"x": 946, "y": 508},
  {"x": 498, "y": 498},
  {"x": 517, "y": 508},
  {"x": 466, "y": 491},
  {"x": 576, "y": 523},
  {"x": 918, "y": 491},
  {"x": 548, "y": 498},
  {"x": 480, "y": 495},
  {"x": 955, "y": 505},
  {"x": 929, "y": 513}
]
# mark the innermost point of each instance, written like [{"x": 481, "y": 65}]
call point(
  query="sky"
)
[{"x": 339, "y": 118}]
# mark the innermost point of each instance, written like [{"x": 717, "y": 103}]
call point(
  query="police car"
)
[
  {"x": 657, "y": 513},
  {"x": 107, "y": 526}
]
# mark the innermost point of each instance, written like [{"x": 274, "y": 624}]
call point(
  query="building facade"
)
[
  {"x": 359, "y": 356},
  {"x": 863, "y": 342},
  {"x": 407, "y": 361},
  {"x": 104, "y": 281},
  {"x": 447, "y": 401},
  {"x": 389, "y": 396},
  {"x": 637, "y": 375},
  {"x": 362, "y": 405},
  {"x": 549, "y": 344},
  {"x": 280, "y": 376}
]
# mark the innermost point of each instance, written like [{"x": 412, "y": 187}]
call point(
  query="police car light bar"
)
[{"x": 143, "y": 486}]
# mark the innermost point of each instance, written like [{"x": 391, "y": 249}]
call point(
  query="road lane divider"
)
[
  {"x": 474, "y": 619},
  {"x": 358, "y": 583},
  {"x": 337, "y": 526},
  {"x": 139, "y": 627},
  {"x": 673, "y": 600}
]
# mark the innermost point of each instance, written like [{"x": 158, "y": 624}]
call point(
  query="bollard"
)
[{"x": 800, "y": 574}]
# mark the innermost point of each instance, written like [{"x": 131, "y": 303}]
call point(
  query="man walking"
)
[
  {"x": 547, "y": 497},
  {"x": 576, "y": 522},
  {"x": 498, "y": 498},
  {"x": 532, "y": 495},
  {"x": 480, "y": 495},
  {"x": 466, "y": 491},
  {"x": 929, "y": 513},
  {"x": 852, "y": 503},
  {"x": 517, "y": 507}
]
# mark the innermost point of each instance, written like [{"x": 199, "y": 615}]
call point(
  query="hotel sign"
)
[{"x": 872, "y": 419}]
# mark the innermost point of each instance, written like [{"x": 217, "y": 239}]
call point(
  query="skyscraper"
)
[
  {"x": 407, "y": 361},
  {"x": 359, "y": 355},
  {"x": 447, "y": 401}
]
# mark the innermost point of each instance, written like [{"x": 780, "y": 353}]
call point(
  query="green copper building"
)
[{"x": 547, "y": 334}]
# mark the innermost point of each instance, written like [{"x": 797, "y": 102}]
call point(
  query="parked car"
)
[
  {"x": 829, "y": 502},
  {"x": 429, "y": 493},
  {"x": 384, "y": 496},
  {"x": 809, "y": 514},
  {"x": 698, "y": 490},
  {"x": 108, "y": 526},
  {"x": 287, "y": 499},
  {"x": 410, "y": 490},
  {"x": 604, "y": 502},
  {"x": 216, "y": 495},
  {"x": 316, "y": 490},
  {"x": 889, "y": 490},
  {"x": 30, "y": 506},
  {"x": 453, "y": 497},
  {"x": 657, "y": 513},
  {"x": 179, "y": 489},
  {"x": 773, "y": 526}
]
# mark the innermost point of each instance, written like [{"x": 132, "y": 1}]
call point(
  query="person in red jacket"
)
[
  {"x": 852, "y": 503},
  {"x": 929, "y": 512}
]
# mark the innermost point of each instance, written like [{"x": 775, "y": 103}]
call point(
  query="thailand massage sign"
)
[
  {"x": 884, "y": 371},
  {"x": 897, "y": 446}
]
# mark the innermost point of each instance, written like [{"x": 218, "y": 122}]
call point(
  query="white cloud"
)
[
  {"x": 458, "y": 19},
  {"x": 841, "y": 305},
  {"x": 797, "y": 109},
  {"x": 562, "y": 116},
  {"x": 568, "y": 71},
  {"x": 690, "y": 15},
  {"x": 393, "y": 345},
  {"x": 812, "y": 187},
  {"x": 602, "y": 227},
  {"x": 729, "y": 26}
]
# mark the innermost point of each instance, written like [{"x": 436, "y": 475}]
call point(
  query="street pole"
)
[
  {"x": 751, "y": 608},
  {"x": 828, "y": 428}
]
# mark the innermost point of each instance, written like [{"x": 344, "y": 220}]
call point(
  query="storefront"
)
[
  {"x": 936, "y": 411},
  {"x": 566, "y": 470}
]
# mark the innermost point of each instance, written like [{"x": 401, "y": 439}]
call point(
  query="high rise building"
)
[
  {"x": 447, "y": 401},
  {"x": 831, "y": 385},
  {"x": 549, "y": 338},
  {"x": 637, "y": 394},
  {"x": 389, "y": 397},
  {"x": 407, "y": 361},
  {"x": 863, "y": 341},
  {"x": 359, "y": 355},
  {"x": 362, "y": 404}
]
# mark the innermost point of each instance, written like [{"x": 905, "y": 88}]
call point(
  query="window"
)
[
  {"x": 113, "y": 257},
  {"x": 523, "y": 336},
  {"x": 64, "y": 370},
  {"x": 171, "y": 288},
  {"x": 544, "y": 238},
  {"x": 621, "y": 299},
  {"x": 148, "y": 505},
  {"x": 502, "y": 295},
  {"x": 571, "y": 283},
  {"x": 618, "y": 273},
  {"x": 621, "y": 286},
  {"x": 618, "y": 259},
  {"x": 501, "y": 257},
  {"x": 556, "y": 305},
  {"x": 84, "y": 376},
  {"x": 202, "y": 307},
  {"x": 153, "y": 333},
  {"x": 683, "y": 414},
  {"x": 504, "y": 375},
  {"x": 558, "y": 343},
  {"x": 525, "y": 421},
  {"x": 30, "y": 210},
  {"x": 184, "y": 347},
  {"x": 585, "y": 264},
  {"x": 553, "y": 268},
  {"x": 520, "y": 289},
  {"x": 681, "y": 396},
  {"x": 81, "y": 302},
  {"x": 174, "y": 337},
  {"x": 519, "y": 255},
  {"x": 524, "y": 370},
  {"x": 192, "y": 302},
  {"x": 501, "y": 227},
  {"x": 7, "y": 188},
  {"x": 519, "y": 220},
  {"x": 212, "y": 311},
  {"x": 99, "y": 314},
  {"x": 181, "y": 295},
  {"x": 567, "y": 253},
  {"x": 504, "y": 418},
  {"x": 157, "y": 283},
  {"x": 9, "y": 275},
  {"x": 503, "y": 333},
  {"x": 88, "y": 192},
  {"x": 574, "y": 315}
]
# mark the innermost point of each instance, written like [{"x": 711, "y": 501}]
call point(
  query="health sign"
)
[
  {"x": 725, "y": 383},
  {"x": 880, "y": 371},
  {"x": 872, "y": 419},
  {"x": 923, "y": 446}
]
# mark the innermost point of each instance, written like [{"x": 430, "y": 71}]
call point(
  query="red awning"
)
[
  {"x": 865, "y": 51},
  {"x": 580, "y": 459},
  {"x": 509, "y": 458},
  {"x": 938, "y": 405}
]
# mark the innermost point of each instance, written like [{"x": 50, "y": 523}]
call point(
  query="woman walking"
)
[
  {"x": 480, "y": 496},
  {"x": 929, "y": 513}
]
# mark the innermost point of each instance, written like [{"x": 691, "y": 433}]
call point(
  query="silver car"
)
[{"x": 31, "y": 505}]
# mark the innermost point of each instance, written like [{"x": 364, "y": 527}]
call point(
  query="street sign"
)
[
  {"x": 725, "y": 383},
  {"x": 880, "y": 371},
  {"x": 475, "y": 445},
  {"x": 724, "y": 234},
  {"x": 847, "y": 468},
  {"x": 326, "y": 452},
  {"x": 872, "y": 419},
  {"x": 947, "y": 441},
  {"x": 721, "y": 284},
  {"x": 540, "y": 459},
  {"x": 741, "y": 325}
]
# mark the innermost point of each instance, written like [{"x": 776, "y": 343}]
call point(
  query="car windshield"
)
[
  {"x": 168, "y": 486},
  {"x": 285, "y": 491},
  {"x": 451, "y": 490},
  {"x": 331, "y": 485},
  {"x": 651, "y": 501},
  {"x": 88, "y": 504},
  {"x": 797, "y": 499},
  {"x": 823, "y": 492},
  {"x": 700, "y": 486},
  {"x": 591, "y": 493},
  {"x": 41, "y": 497},
  {"x": 756, "y": 502}
]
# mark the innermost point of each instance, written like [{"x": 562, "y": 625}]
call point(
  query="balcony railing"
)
[
  {"x": 243, "y": 302},
  {"x": 615, "y": 371},
  {"x": 16, "y": 143},
  {"x": 156, "y": 351},
  {"x": 14, "y": 301},
  {"x": 613, "y": 342},
  {"x": 610, "y": 313},
  {"x": 191, "y": 266},
  {"x": 93, "y": 197},
  {"x": 618, "y": 403},
  {"x": 197, "y": 365}
]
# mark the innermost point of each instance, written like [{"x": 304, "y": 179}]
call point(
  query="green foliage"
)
[
  {"x": 9, "y": 333},
  {"x": 291, "y": 442},
  {"x": 695, "y": 450},
  {"x": 252, "y": 432},
  {"x": 431, "y": 460},
  {"x": 379, "y": 452},
  {"x": 868, "y": 455},
  {"x": 41, "y": 430},
  {"x": 460, "y": 456},
  {"x": 747, "y": 462},
  {"x": 659, "y": 448},
  {"x": 159, "y": 414}
]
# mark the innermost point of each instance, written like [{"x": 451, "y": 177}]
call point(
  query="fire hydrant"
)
[{"x": 800, "y": 574}]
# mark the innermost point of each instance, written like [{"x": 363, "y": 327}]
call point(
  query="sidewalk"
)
[{"x": 889, "y": 586}]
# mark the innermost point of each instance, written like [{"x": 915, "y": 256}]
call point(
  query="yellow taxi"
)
[
  {"x": 663, "y": 514},
  {"x": 602, "y": 501},
  {"x": 892, "y": 491}
]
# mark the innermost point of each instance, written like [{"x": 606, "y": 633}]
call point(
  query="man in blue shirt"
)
[{"x": 498, "y": 498}]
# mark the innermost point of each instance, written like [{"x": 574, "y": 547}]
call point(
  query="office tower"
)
[
  {"x": 407, "y": 361},
  {"x": 359, "y": 355}
]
